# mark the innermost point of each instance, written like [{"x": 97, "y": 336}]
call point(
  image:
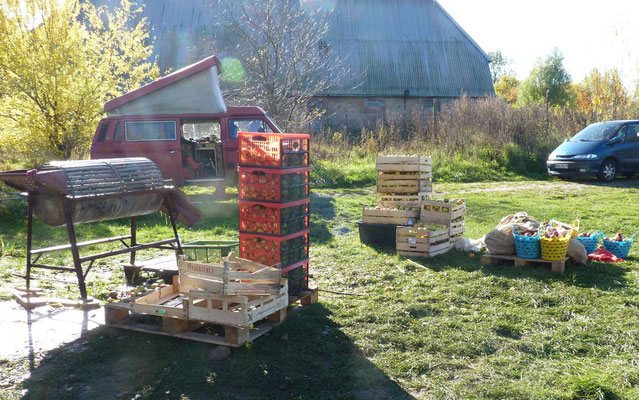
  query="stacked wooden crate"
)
[
  {"x": 449, "y": 212},
  {"x": 274, "y": 203},
  {"x": 404, "y": 175},
  {"x": 402, "y": 183}
]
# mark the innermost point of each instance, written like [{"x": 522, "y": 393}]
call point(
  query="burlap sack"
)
[
  {"x": 577, "y": 251},
  {"x": 500, "y": 240}
]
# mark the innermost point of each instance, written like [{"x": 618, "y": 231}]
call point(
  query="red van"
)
[{"x": 181, "y": 123}]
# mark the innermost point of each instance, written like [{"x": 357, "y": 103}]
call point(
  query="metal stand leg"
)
[
  {"x": 29, "y": 238},
  {"x": 74, "y": 248},
  {"x": 171, "y": 210},
  {"x": 134, "y": 225}
]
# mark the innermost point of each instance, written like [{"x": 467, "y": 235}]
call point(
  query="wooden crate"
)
[
  {"x": 390, "y": 200},
  {"x": 121, "y": 315},
  {"x": 391, "y": 217},
  {"x": 188, "y": 303},
  {"x": 457, "y": 226},
  {"x": 421, "y": 241},
  {"x": 401, "y": 184},
  {"x": 403, "y": 164},
  {"x": 442, "y": 212},
  {"x": 236, "y": 276}
]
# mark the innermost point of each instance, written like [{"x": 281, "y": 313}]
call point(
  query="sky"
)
[{"x": 590, "y": 34}]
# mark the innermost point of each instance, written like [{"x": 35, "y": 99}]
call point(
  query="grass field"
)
[{"x": 450, "y": 330}]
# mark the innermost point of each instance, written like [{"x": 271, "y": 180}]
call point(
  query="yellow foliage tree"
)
[
  {"x": 59, "y": 62},
  {"x": 603, "y": 96},
  {"x": 506, "y": 88}
]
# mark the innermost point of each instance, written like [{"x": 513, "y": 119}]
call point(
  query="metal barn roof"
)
[
  {"x": 398, "y": 45},
  {"x": 388, "y": 46}
]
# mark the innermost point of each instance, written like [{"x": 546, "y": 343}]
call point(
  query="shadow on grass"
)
[
  {"x": 322, "y": 213},
  {"x": 308, "y": 356},
  {"x": 619, "y": 182},
  {"x": 604, "y": 276}
]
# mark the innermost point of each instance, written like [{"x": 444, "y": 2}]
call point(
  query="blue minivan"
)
[{"x": 603, "y": 149}]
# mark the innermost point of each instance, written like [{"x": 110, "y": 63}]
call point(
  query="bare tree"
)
[
  {"x": 499, "y": 66},
  {"x": 283, "y": 58}
]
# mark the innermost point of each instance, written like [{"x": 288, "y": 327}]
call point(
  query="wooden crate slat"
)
[
  {"x": 387, "y": 220},
  {"x": 401, "y": 200},
  {"x": 420, "y": 247},
  {"x": 412, "y": 240},
  {"x": 412, "y": 188},
  {"x": 390, "y": 176},
  {"x": 403, "y": 164},
  {"x": 373, "y": 212}
]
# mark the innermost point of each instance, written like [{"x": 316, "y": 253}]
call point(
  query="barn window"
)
[
  {"x": 428, "y": 106},
  {"x": 322, "y": 45},
  {"x": 373, "y": 105},
  {"x": 374, "y": 111}
]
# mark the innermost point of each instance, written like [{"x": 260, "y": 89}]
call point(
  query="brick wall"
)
[{"x": 358, "y": 112}]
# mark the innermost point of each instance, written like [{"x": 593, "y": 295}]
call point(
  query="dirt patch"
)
[
  {"x": 26, "y": 333},
  {"x": 541, "y": 185}
]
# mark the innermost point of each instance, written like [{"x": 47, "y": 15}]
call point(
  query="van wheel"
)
[{"x": 608, "y": 170}]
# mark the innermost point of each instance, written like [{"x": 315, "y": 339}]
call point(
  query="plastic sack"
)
[
  {"x": 470, "y": 245},
  {"x": 605, "y": 256}
]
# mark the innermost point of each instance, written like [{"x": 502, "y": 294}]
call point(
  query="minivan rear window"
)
[
  {"x": 137, "y": 131},
  {"x": 103, "y": 131}
]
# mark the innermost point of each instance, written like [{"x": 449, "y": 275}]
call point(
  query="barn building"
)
[{"x": 408, "y": 56}]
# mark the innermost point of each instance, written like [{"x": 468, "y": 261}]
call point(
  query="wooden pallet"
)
[
  {"x": 557, "y": 267},
  {"x": 390, "y": 217},
  {"x": 119, "y": 315}
]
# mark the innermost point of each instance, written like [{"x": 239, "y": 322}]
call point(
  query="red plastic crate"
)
[
  {"x": 273, "y": 185},
  {"x": 270, "y": 250},
  {"x": 274, "y": 219},
  {"x": 274, "y": 150},
  {"x": 297, "y": 276}
]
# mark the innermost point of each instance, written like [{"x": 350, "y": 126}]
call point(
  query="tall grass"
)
[{"x": 470, "y": 140}]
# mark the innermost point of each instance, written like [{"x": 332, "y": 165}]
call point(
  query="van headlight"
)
[{"x": 584, "y": 156}]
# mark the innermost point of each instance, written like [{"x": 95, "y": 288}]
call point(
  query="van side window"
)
[
  {"x": 247, "y": 125},
  {"x": 632, "y": 132},
  {"x": 117, "y": 133},
  {"x": 104, "y": 128},
  {"x": 138, "y": 131}
]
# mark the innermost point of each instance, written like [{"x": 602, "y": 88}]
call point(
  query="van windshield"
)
[{"x": 596, "y": 132}]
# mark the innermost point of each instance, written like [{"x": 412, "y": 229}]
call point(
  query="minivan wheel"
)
[{"x": 608, "y": 170}]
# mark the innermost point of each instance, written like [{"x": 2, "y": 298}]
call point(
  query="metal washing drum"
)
[
  {"x": 98, "y": 190},
  {"x": 72, "y": 192}
]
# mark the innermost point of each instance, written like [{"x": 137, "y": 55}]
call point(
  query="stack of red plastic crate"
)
[{"x": 274, "y": 202}]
